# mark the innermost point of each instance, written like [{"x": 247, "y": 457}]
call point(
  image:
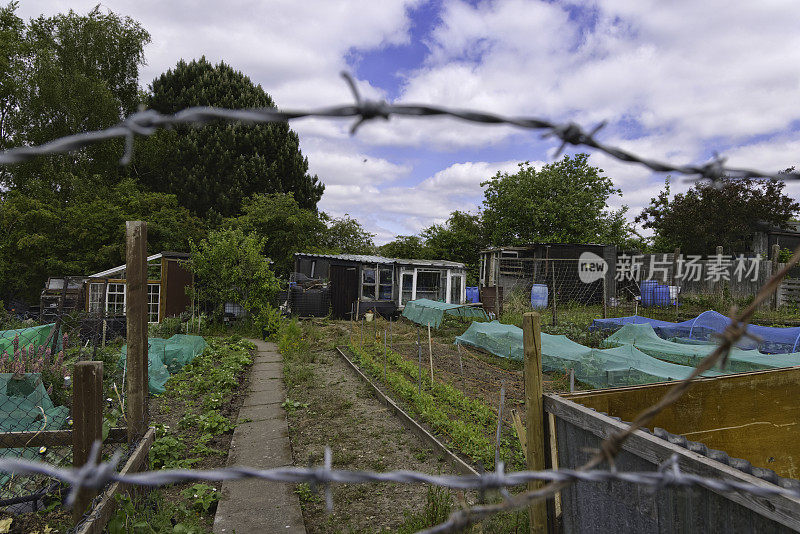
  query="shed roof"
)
[
  {"x": 368, "y": 258},
  {"x": 166, "y": 254},
  {"x": 530, "y": 246}
]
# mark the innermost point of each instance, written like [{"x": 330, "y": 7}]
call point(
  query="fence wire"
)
[
  {"x": 37, "y": 349},
  {"x": 26, "y": 364},
  {"x": 569, "y": 133}
]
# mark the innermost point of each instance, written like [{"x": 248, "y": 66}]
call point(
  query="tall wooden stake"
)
[
  {"x": 430, "y": 351},
  {"x": 532, "y": 343},
  {"x": 136, "y": 311},
  {"x": 87, "y": 417}
]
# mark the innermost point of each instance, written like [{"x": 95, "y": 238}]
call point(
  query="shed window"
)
[
  {"x": 386, "y": 281},
  {"x": 429, "y": 285},
  {"x": 153, "y": 302},
  {"x": 95, "y": 298},
  {"x": 455, "y": 288},
  {"x": 115, "y": 299}
]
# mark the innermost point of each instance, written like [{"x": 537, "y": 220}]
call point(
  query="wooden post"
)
[
  {"x": 87, "y": 417},
  {"x": 675, "y": 279},
  {"x": 776, "y": 251},
  {"x": 430, "y": 351},
  {"x": 385, "y": 355},
  {"x": 419, "y": 366},
  {"x": 461, "y": 365},
  {"x": 136, "y": 312},
  {"x": 497, "y": 285},
  {"x": 532, "y": 343},
  {"x": 555, "y": 305},
  {"x": 605, "y": 298}
]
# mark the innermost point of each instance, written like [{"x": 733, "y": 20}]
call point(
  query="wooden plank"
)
[
  {"x": 87, "y": 417},
  {"x": 748, "y": 415},
  {"x": 534, "y": 413},
  {"x": 136, "y": 310},
  {"x": 784, "y": 510},
  {"x": 410, "y": 423},
  {"x": 101, "y": 513},
  {"x": 521, "y": 434},
  {"x": 53, "y": 438}
]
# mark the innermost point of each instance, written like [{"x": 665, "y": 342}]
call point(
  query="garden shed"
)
[
  {"x": 167, "y": 280},
  {"x": 383, "y": 284},
  {"x": 554, "y": 265}
]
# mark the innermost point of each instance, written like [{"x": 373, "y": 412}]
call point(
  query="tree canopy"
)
[
  {"x": 217, "y": 166},
  {"x": 564, "y": 202},
  {"x": 712, "y": 214},
  {"x": 41, "y": 238},
  {"x": 62, "y": 75}
]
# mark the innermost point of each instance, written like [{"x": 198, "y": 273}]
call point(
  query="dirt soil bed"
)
[{"x": 338, "y": 410}]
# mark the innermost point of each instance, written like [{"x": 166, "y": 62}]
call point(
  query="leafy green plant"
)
[
  {"x": 290, "y": 405},
  {"x": 209, "y": 422},
  {"x": 202, "y": 497}
]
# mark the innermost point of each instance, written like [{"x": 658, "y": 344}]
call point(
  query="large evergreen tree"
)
[{"x": 216, "y": 166}]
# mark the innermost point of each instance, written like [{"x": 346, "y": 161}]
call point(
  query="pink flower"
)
[
  {"x": 15, "y": 343},
  {"x": 64, "y": 341}
]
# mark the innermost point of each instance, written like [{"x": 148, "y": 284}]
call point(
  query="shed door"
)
[{"x": 344, "y": 290}]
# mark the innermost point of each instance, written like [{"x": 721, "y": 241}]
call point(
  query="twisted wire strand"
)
[
  {"x": 146, "y": 122},
  {"x": 98, "y": 475}
]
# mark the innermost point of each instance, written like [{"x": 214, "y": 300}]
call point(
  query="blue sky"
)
[{"x": 675, "y": 80}]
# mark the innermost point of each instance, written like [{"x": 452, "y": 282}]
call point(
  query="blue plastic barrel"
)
[
  {"x": 539, "y": 296},
  {"x": 472, "y": 294},
  {"x": 647, "y": 287},
  {"x": 661, "y": 295}
]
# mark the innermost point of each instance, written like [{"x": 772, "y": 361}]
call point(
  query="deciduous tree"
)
[
  {"x": 563, "y": 202},
  {"x": 724, "y": 214}
]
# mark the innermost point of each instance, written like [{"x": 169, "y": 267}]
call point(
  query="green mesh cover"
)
[
  {"x": 424, "y": 312},
  {"x": 644, "y": 338},
  {"x": 166, "y": 357},
  {"x": 20, "y": 401},
  {"x": 35, "y": 335},
  {"x": 618, "y": 366},
  {"x": 25, "y": 406}
]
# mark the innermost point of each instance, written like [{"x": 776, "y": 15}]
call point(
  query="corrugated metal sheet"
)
[{"x": 367, "y": 258}]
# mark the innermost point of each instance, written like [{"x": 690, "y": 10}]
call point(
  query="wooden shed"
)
[
  {"x": 167, "y": 280},
  {"x": 384, "y": 284}
]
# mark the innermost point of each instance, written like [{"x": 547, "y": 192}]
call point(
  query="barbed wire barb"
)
[{"x": 146, "y": 122}]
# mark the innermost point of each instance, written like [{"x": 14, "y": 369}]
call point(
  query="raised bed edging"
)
[{"x": 452, "y": 458}]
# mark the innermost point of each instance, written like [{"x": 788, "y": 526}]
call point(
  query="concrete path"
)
[{"x": 263, "y": 442}]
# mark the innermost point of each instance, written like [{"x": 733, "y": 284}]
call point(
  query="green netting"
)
[
  {"x": 25, "y": 406},
  {"x": 166, "y": 357},
  {"x": 618, "y": 366},
  {"x": 644, "y": 338},
  {"x": 34, "y": 335},
  {"x": 424, "y": 312}
]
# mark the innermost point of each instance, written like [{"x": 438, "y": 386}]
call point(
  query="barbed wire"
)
[
  {"x": 98, "y": 475},
  {"x": 146, "y": 122}
]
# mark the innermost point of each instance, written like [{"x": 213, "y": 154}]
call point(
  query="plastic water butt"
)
[
  {"x": 539, "y": 296},
  {"x": 647, "y": 287},
  {"x": 472, "y": 294},
  {"x": 661, "y": 295}
]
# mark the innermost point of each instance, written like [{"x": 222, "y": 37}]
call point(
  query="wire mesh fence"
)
[{"x": 36, "y": 392}]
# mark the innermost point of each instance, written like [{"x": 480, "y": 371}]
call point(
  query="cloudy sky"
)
[{"x": 676, "y": 80}]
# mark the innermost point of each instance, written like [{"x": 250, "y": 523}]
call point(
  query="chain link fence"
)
[{"x": 36, "y": 392}]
